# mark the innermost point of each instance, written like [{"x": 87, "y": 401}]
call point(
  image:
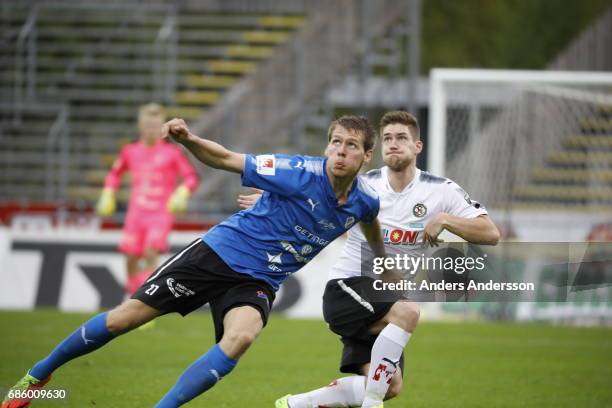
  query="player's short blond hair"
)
[{"x": 152, "y": 110}]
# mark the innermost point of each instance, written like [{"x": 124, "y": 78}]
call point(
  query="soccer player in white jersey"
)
[{"x": 415, "y": 206}]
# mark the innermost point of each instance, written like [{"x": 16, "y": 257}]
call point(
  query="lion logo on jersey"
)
[{"x": 419, "y": 210}]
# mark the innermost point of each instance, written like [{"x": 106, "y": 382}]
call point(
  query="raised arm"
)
[
  {"x": 208, "y": 152},
  {"x": 479, "y": 230}
]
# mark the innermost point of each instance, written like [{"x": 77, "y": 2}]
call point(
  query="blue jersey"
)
[{"x": 296, "y": 217}]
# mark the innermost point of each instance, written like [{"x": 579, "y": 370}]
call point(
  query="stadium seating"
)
[
  {"x": 579, "y": 174},
  {"x": 103, "y": 61}
]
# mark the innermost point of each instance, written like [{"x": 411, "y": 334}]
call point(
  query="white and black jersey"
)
[{"x": 404, "y": 215}]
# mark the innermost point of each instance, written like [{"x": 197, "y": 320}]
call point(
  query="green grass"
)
[{"x": 447, "y": 365}]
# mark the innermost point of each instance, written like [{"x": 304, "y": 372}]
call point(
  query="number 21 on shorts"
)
[{"x": 152, "y": 289}]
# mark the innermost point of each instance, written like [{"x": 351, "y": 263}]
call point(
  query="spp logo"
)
[{"x": 399, "y": 236}]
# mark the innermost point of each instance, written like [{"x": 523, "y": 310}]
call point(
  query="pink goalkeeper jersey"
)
[{"x": 154, "y": 171}]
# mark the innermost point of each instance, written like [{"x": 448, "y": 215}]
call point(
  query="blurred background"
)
[{"x": 514, "y": 98}]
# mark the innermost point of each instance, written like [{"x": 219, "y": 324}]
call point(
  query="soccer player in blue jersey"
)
[{"x": 239, "y": 264}]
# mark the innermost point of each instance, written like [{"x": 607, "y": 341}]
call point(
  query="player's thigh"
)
[
  {"x": 244, "y": 319},
  {"x": 242, "y": 325},
  {"x": 241, "y": 313},
  {"x": 245, "y": 292},
  {"x": 129, "y": 315}
]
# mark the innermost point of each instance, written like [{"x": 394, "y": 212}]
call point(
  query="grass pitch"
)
[{"x": 447, "y": 365}]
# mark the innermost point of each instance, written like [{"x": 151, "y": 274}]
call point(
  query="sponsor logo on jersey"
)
[
  {"x": 399, "y": 236},
  {"x": 266, "y": 165},
  {"x": 349, "y": 222},
  {"x": 416, "y": 225},
  {"x": 419, "y": 210},
  {"x": 178, "y": 289},
  {"x": 326, "y": 225},
  {"x": 310, "y": 236},
  {"x": 306, "y": 249}
]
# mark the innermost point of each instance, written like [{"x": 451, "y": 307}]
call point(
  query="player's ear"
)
[
  {"x": 367, "y": 156},
  {"x": 419, "y": 146}
]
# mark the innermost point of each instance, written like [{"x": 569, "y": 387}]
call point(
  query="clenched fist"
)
[{"x": 177, "y": 128}]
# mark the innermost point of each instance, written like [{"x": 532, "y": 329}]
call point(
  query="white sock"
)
[
  {"x": 344, "y": 392},
  {"x": 386, "y": 354}
]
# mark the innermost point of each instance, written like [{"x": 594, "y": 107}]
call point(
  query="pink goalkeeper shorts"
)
[{"x": 148, "y": 230}]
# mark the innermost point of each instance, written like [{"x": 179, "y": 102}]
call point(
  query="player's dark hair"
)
[
  {"x": 358, "y": 124},
  {"x": 403, "y": 118}
]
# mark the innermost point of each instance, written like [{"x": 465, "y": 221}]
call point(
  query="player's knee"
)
[
  {"x": 406, "y": 315},
  {"x": 241, "y": 338},
  {"x": 117, "y": 321}
]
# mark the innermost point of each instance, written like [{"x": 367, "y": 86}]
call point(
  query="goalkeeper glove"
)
[
  {"x": 178, "y": 200},
  {"x": 106, "y": 204}
]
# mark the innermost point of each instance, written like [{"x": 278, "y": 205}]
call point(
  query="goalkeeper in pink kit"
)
[{"x": 154, "y": 166}]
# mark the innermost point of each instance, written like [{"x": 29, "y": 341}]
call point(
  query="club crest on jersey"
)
[
  {"x": 419, "y": 210},
  {"x": 349, "y": 222},
  {"x": 266, "y": 165}
]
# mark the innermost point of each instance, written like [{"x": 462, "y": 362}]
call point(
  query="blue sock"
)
[
  {"x": 87, "y": 338},
  {"x": 199, "y": 377}
]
